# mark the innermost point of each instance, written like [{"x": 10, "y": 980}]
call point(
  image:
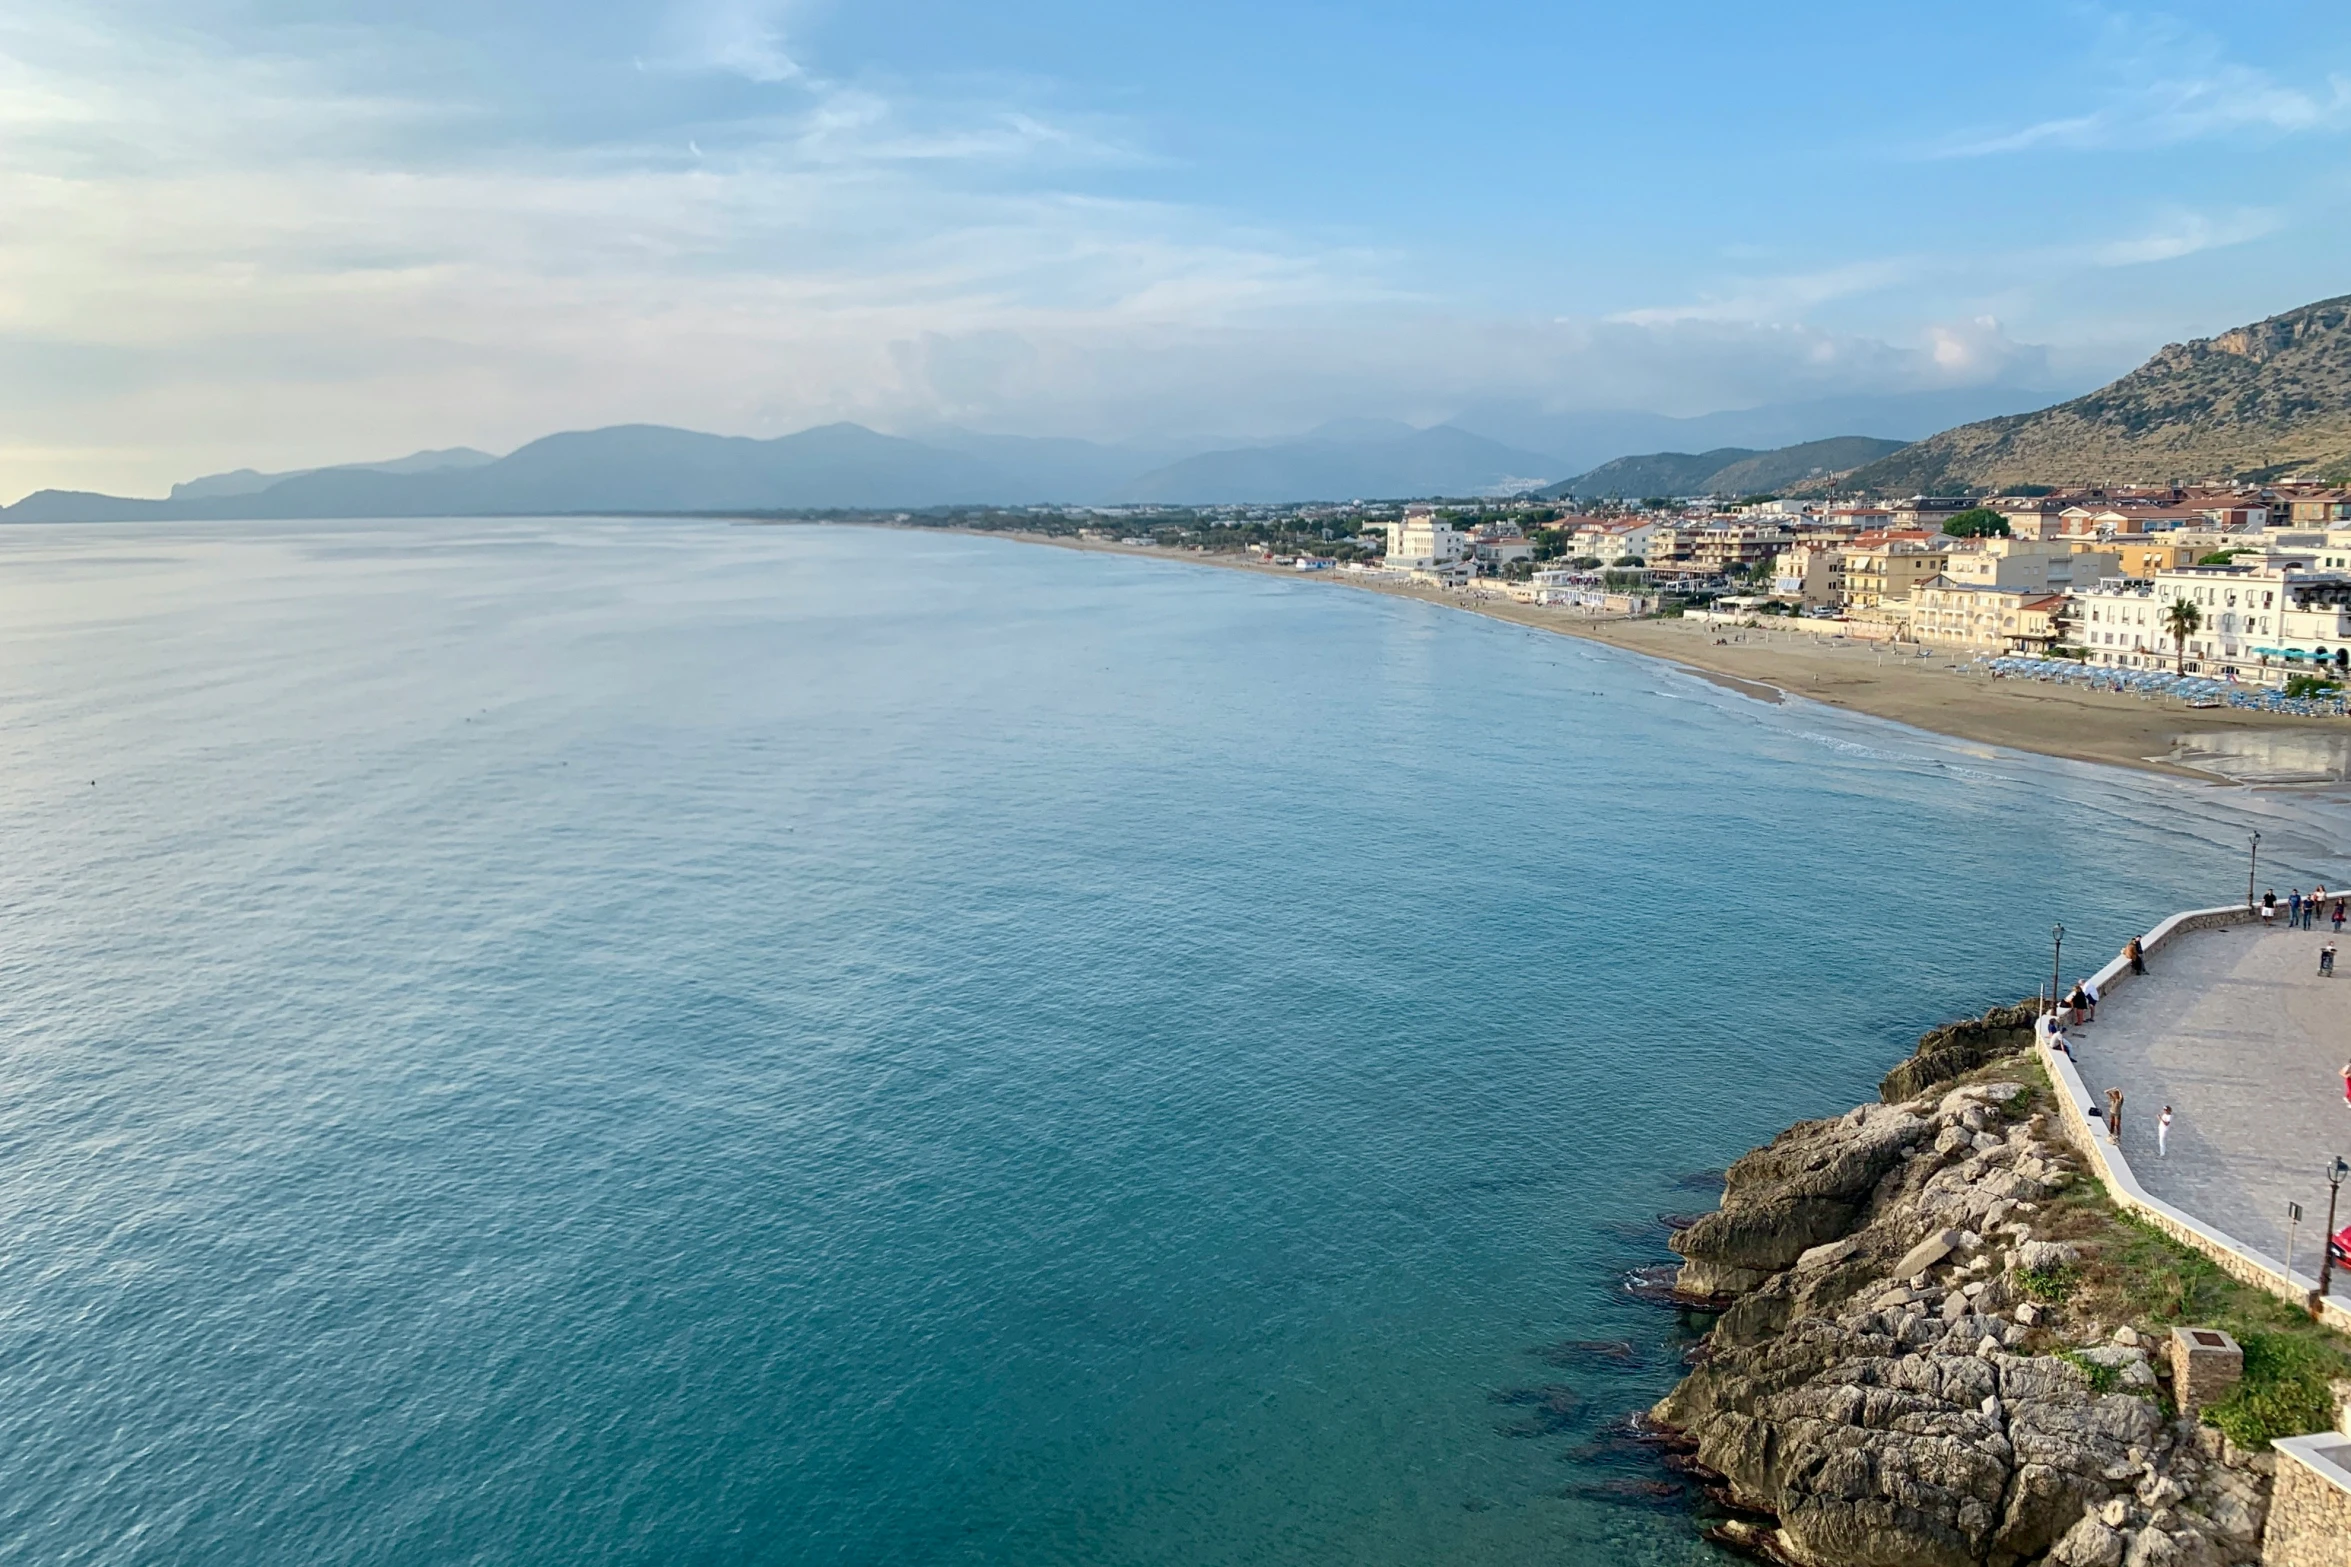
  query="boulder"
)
[{"x": 1927, "y": 1253}]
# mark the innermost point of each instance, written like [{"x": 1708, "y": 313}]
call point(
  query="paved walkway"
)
[{"x": 2235, "y": 1031}]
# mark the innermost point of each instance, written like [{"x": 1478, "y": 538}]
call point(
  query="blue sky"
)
[{"x": 284, "y": 234}]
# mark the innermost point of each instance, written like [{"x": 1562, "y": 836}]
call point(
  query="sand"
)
[{"x": 1927, "y": 693}]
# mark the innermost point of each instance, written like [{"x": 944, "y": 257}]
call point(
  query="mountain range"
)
[
  {"x": 845, "y": 466},
  {"x": 1727, "y": 470},
  {"x": 2260, "y": 402},
  {"x": 652, "y": 468}
]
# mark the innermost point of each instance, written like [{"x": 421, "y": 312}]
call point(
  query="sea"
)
[{"x": 673, "y": 1042}]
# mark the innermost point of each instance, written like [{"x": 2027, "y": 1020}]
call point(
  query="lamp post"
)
[
  {"x": 2056, "y": 951},
  {"x": 2326, "y": 1244},
  {"x": 2252, "y": 865}
]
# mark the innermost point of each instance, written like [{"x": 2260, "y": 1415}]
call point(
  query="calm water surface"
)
[{"x": 669, "y": 1043}]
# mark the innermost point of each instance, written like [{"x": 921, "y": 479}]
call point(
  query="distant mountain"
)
[
  {"x": 636, "y": 467},
  {"x": 1727, "y": 470},
  {"x": 1048, "y": 468},
  {"x": 1359, "y": 459},
  {"x": 2263, "y": 401},
  {"x": 245, "y": 481},
  {"x": 1583, "y": 440}
]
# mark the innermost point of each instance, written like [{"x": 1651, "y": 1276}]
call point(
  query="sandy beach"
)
[{"x": 1805, "y": 659}]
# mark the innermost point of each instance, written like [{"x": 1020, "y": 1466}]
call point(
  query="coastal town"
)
[{"x": 2243, "y": 585}]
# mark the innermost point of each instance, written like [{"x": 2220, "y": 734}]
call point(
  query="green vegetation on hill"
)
[
  {"x": 2261, "y": 402},
  {"x": 1727, "y": 470}
]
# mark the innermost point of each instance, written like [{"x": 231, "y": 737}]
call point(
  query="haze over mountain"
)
[
  {"x": 1356, "y": 458},
  {"x": 245, "y": 481},
  {"x": 2262, "y": 401},
  {"x": 1727, "y": 470},
  {"x": 658, "y": 468}
]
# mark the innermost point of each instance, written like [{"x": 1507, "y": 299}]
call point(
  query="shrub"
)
[
  {"x": 2102, "y": 1379},
  {"x": 2047, "y": 1284},
  {"x": 2284, "y": 1393}
]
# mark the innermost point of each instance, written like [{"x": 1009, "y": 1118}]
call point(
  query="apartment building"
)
[
  {"x": 1876, "y": 574},
  {"x": 2028, "y": 565},
  {"x": 1738, "y": 544},
  {"x": 1973, "y": 617},
  {"x": 1611, "y": 539}
]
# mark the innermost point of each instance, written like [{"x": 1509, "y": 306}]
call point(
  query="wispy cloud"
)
[
  {"x": 2152, "y": 82},
  {"x": 2179, "y": 234}
]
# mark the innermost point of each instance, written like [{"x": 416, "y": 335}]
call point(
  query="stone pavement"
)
[{"x": 2234, "y": 1029}]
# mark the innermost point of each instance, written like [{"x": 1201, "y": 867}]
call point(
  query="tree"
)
[
  {"x": 2219, "y": 557},
  {"x": 1977, "y": 522},
  {"x": 2183, "y": 620}
]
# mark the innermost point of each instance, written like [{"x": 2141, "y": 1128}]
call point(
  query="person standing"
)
[
  {"x": 2137, "y": 955},
  {"x": 2326, "y": 961},
  {"x": 2074, "y": 1002},
  {"x": 2347, "y": 1084},
  {"x": 2294, "y": 909},
  {"x": 2269, "y": 907},
  {"x": 2338, "y": 916},
  {"x": 2089, "y": 1001},
  {"x": 2163, "y": 1133},
  {"x": 2114, "y": 1116}
]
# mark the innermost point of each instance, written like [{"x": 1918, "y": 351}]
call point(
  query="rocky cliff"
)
[
  {"x": 1884, "y": 1391},
  {"x": 2262, "y": 401}
]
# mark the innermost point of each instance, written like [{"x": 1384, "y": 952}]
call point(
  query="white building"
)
[
  {"x": 2256, "y": 623},
  {"x": 1421, "y": 543},
  {"x": 1611, "y": 539},
  {"x": 2025, "y": 564}
]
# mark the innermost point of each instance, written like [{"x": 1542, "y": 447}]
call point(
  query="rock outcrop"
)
[
  {"x": 1952, "y": 1051},
  {"x": 1884, "y": 1388}
]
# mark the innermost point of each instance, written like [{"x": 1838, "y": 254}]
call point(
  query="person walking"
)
[
  {"x": 2269, "y": 907},
  {"x": 2326, "y": 961},
  {"x": 2114, "y": 1116},
  {"x": 2347, "y": 1084},
  {"x": 2136, "y": 954},
  {"x": 2163, "y": 1133}
]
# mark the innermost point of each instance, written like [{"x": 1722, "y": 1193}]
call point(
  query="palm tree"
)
[{"x": 2183, "y": 620}]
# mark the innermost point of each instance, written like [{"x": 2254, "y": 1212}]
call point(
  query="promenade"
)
[{"x": 2235, "y": 1030}]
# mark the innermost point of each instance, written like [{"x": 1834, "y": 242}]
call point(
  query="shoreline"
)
[{"x": 1924, "y": 693}]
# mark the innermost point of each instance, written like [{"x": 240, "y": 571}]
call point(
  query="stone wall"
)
[{"x": 2309, "y": 1508}]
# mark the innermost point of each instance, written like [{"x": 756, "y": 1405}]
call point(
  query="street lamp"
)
[
  {"x": 2056, "y": 951},
  {"x": 2326, "y": 1245},
  {"x": 2251, "y": 865}
]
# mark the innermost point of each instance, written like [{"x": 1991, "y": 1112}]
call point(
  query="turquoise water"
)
[{"x": 675, "y": 1043}]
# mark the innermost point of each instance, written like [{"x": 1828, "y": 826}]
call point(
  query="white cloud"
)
[
  {"x": 742, "y": 36},
  {"x": 2184, "y": 234},
  {"x": 2154, "y": 83}
]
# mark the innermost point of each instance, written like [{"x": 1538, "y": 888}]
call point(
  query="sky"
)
[{"x": 264, "y": 233}]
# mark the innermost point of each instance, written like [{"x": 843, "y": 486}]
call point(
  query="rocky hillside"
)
[
  {"x": 2263, "y": 401},
  {"x": 1929, "y": 1357}
]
